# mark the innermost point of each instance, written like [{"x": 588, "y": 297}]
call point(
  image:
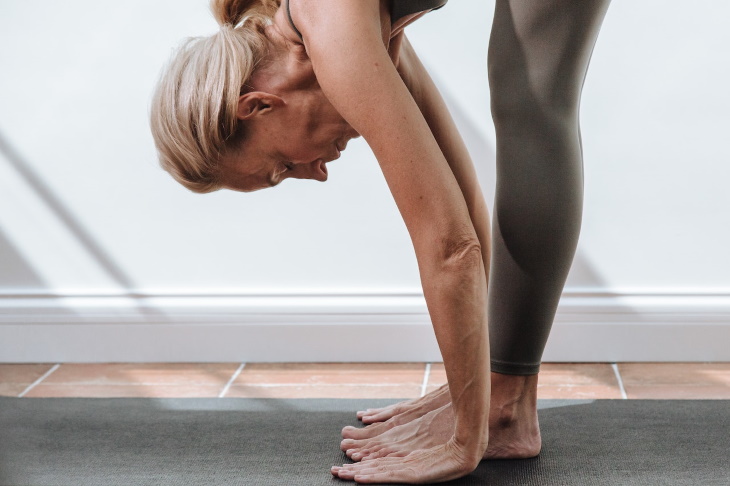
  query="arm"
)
[
  {"x": 439, "y": 120},
  {"x": 344, "y": 42}
]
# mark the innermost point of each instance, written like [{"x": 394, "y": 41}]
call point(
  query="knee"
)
[{"x": 523, "y": 95}]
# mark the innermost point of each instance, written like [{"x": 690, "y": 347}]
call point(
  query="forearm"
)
[
  {"x": 457, "y": 297},
  {"x": 456, "y": 292},
  {"x": 436, "y": 113}
]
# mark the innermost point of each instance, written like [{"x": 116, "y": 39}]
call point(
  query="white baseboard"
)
[{"x": 589, "y": 327}]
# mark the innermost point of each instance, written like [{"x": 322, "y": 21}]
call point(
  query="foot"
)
[
  {"x": 417, "y": 407},
  {"x": 430, "y": 430},
  {"x": 514, "y": 432},
  {"x": 384, "y": 419}
]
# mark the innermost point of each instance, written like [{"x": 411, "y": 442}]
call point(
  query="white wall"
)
[{"x": 101, "y": 251}]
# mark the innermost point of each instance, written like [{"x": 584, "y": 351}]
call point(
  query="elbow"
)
[{"x": 461, "y": 253}]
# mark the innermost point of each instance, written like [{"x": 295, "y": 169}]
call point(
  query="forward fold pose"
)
[{"x": 279, "y": 91}]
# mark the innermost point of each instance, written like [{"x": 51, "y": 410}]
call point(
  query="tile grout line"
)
[
  {"x": 230, "y": 382},
  {"x": 426, "y": 376},
  {"x": 620, "y": 381},
  {"x": 45, "y": 375},
  {"x": 325, "y": 385}
]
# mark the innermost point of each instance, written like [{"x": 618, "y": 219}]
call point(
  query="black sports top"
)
[{"x": 398, "y": 9}]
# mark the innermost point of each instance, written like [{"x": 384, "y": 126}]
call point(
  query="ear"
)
[{"x": 257, "y": 103}]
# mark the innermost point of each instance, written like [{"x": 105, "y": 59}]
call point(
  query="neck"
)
[{"x": 287, "y": 66}]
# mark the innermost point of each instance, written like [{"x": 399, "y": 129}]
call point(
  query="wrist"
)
[{"x": 468, "y": 453}]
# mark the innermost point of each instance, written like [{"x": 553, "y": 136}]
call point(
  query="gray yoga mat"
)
[{"x": 262, "y": 442}]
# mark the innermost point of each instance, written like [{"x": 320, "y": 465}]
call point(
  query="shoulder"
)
[{"x": 320, "y": 17}]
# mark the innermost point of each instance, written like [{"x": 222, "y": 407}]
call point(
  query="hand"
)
[{"x": 441, "y": 463}]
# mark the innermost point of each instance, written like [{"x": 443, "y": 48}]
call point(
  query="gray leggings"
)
[{"x": 539, "y": 53}]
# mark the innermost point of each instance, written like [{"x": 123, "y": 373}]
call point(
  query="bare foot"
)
[
  {"x": 514, "y": 432},
  {"x": 430, "y": 430},
  {"x": 398, "y": 414},
  {"x": 424, "y": 404}
]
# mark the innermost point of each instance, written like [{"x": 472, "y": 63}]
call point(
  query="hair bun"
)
[{"x": 232, "y": 12}]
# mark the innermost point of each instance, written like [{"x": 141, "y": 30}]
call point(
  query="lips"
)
[{"x": 336, "y": 155}]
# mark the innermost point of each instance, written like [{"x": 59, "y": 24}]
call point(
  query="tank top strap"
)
[{"x": 291, "y": 21}]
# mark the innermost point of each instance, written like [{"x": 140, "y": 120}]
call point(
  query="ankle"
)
[{"x": 512, "y": 396}]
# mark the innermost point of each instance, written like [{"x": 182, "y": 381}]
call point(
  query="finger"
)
[
  {"x": 355, "y": 433},
  {"x": 384, "y": 452},
  {"x": 356, "y": 445},
  {"x": 386, "y": 473},
  {"x": 369, "y": 449},
  {"x": 380, "y": 415},
  {"x": 346, "y": 444},
  {"x": 344, "y": 473},
  {"x": 403, "y": 476},
  {"x": 373, "y": 411},
  {"x": 348, "y": 471},
  {"x": 362, "y": 413},
  {"x": 357, "y": 456},
  {"x": 359, "y": 450}
]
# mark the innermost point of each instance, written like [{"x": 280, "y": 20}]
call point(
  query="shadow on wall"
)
[
  {"x": 58, "y": 209},
  {"x": 16, "y": 273},
  {"x": 19, "y": 273},
  {"x": 19, "y": 276}
]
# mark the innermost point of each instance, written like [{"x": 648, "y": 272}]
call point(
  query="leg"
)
[{"x": 538, "y": 57}]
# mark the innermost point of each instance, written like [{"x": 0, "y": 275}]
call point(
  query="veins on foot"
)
[
  {"x": 424, "y": 404},
  {"x": 513, "y": 426},
  {"x": 430, "y": 430}
]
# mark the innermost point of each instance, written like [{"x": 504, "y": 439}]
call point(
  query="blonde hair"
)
[{"x": 193, "y": 112}]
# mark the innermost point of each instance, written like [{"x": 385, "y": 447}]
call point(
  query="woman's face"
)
[{"x": 292, "y": 138}]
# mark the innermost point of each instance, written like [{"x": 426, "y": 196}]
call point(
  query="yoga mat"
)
[{"x": 262, "y": 442}]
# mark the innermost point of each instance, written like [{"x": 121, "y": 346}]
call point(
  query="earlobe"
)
[{"x": 256, "y": 103}]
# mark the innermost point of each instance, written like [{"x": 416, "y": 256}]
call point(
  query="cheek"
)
[
  {"x": 312, "y": 145},
  {"x": 309, "y": 141},
  {"x": 301, "y": 149}
]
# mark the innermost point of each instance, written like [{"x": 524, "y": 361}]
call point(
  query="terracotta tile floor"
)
[{"x": 350, "y": 380}]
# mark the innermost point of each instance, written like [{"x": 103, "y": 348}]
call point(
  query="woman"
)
[{"x": 279, "y": 91}]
